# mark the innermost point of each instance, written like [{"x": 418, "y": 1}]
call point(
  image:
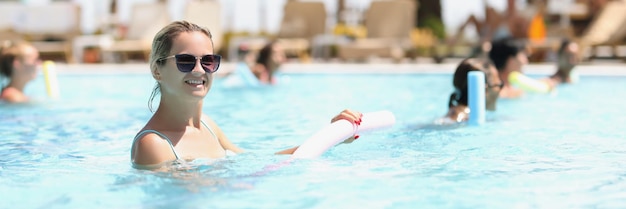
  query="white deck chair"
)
[
  {"x": 207, "y": 13},
  {"x": 9, "y": 14},
  {"x": 302, "y": 22},
  {"x": 389, "y": 24},
  {"x": 51, "y": 27},
  {"x": 608, "y": 29},
  {"x": 146, "y": 20}
]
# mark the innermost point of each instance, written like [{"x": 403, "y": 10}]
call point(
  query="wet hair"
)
[
  {"x": 265, "y": 55},
  {"x": 9, "y": 51},
  {"x": 162, "y": 45},
  {"x": 459, "y": 81},
  {"x": 503, "y": 49},
  {"x": 563, "y": 47}
]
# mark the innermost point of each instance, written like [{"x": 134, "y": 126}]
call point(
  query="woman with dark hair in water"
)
[
  {"x": 508, "y": 55},
  {"x": 269, "y": 59},
  {"x": 458, "y": 109},
  {"x": 566, "y": 61}
]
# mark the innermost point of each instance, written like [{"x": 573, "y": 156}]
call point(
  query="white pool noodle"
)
[{"x": 341, "y": 130}]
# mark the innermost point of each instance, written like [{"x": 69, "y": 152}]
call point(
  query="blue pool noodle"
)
[{"x": 476, "y": 100}]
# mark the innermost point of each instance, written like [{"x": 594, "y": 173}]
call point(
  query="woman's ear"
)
[
  {"x": 156, "y": 73},
  {"x": 17, "y": 63}
]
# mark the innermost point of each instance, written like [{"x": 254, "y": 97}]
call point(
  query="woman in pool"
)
[
  {"x": 18, "y": 63},
  {"x": 182, "y": 61},
  {"x": 566, "y": 61},
  {"x": 458, "y": 110},
  {"x": 270, "y": 57},
  {"x": 508, "y": 55}
]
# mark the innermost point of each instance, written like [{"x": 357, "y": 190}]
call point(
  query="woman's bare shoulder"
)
[{"x": 150, "y": 149}]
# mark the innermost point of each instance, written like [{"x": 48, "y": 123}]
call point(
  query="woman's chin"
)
[{"x": 199, "y": 94}]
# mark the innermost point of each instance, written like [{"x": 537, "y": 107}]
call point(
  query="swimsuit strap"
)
[
  {"x": 215, "y": 136},
  {"x": 210, "y": 130},
  {"x": 168, "y": 139},
  {"x": 161, "y": 135}
]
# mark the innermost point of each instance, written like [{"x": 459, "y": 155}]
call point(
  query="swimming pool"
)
[{"x": 542, "y": 151}]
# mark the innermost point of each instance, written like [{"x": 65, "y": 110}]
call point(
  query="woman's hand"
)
[{"x": 353, "y": 117}]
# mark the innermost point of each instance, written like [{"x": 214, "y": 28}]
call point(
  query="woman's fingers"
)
[{"x": 349, "y": 115}]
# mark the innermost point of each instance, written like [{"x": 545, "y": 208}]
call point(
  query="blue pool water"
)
[{"x": 564, "y": 150}]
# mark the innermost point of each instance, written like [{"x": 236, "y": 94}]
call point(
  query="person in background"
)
[
  {"x": 183, "y": 61},
  {"x": 508, "y": 55},
  {"x": 458, "y": 109},
  {"x": 512, "y": 22},
  {"x": 18, "y": 64},
  {"x": 568, "y": 58},
  {"x": 269, "y": 59}
]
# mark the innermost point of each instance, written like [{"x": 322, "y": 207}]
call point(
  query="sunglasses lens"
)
[
  {"x": 185, "y": 62},
  {"x": 210, "y": 63}
]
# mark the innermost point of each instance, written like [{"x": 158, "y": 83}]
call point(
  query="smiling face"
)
[{"x": 194, "y": 84}]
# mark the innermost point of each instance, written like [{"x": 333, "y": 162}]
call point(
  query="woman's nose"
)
[{"x": 197, "y": 68}]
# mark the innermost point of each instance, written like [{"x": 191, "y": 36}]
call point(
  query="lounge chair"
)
[
  {"x": 389, "y": 24},
  {"x": 302, "y": 21},
  {"x": 9, "y": 13},
  {"x": 146, "y": 20},
  {"x": 50, "y": 28},
  {"x": 608, "y": 29},
  {"x": 206, "y": 13}
]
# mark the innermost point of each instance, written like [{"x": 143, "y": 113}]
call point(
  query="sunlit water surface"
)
[{"x": 565, "y": 150}]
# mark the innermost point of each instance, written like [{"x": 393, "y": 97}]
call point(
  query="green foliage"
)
[{"x": 436, "y": 26}]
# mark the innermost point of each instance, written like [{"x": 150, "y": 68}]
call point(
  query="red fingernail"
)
[{"x": 356, "y": 136}]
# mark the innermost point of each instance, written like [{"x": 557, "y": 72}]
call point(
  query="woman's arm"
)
[
  {"x": 287, "y": 151},
  {"x": 353, "y": 117},
  {"x": 261, "y": 73}
]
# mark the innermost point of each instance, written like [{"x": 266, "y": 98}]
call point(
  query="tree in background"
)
[{"x": 429, "y": 16}]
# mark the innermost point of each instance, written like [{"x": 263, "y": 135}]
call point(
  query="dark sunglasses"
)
[
  {"x": 186, "y": 62},
  {"x": 490, "y": 86}
]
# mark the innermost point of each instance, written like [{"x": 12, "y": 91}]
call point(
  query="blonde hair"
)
[
  {"x": 163, "y": 42},
  {"x": 9, "y": 52}
]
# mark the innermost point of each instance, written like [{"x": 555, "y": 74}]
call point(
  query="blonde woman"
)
[
  {"x": 18, "y": 65},
  {"x": 182, "y": 62}
]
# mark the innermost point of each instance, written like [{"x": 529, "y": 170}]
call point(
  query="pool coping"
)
[{"x": 608, "y": 69}]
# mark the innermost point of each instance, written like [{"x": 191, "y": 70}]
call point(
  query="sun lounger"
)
[
  {"x": 206, "y": 13},
  {"x": 146, "y": 20},
  {"x": 389, "y": 24},
  {"x": 50, "y": 28},
  {"x": 608, "y": 29},
  {"x": 302, "y": 21}
]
